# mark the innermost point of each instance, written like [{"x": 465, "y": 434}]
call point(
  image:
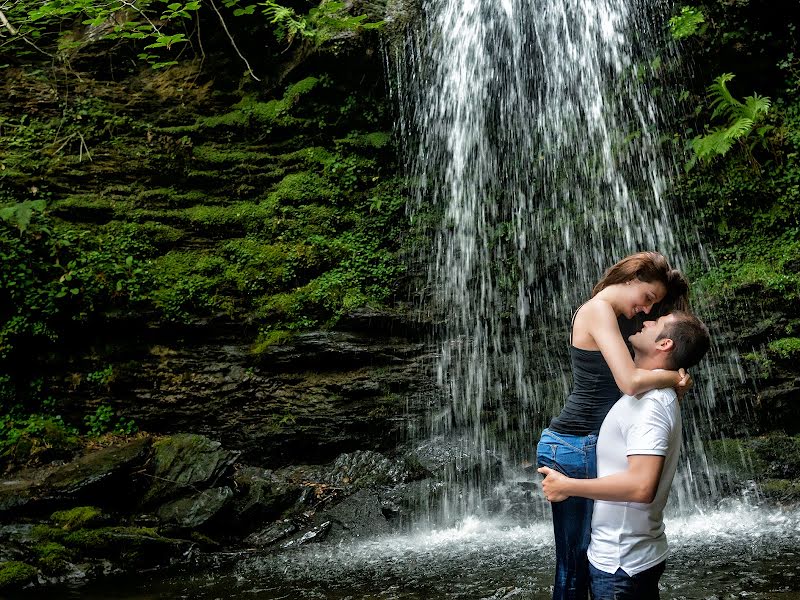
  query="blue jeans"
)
[
  {"x": 621, "y": 586},
  {"x": 574, "y": 456}
]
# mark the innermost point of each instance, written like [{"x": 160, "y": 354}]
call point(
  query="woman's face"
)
[{"x": 640, "y": 296}]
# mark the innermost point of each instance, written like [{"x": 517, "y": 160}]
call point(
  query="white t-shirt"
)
[{"x": 630, "y": 535}]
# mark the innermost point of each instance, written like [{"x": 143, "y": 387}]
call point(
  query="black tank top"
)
[{"x": 594, "y": 392}]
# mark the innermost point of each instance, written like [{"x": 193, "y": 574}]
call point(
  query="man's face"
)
[{"x": 644, "y": 342}]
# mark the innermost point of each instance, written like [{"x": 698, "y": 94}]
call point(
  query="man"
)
[{"x": 637, "y": 454}]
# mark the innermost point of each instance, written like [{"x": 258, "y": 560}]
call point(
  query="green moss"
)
[
  {"x": 149, "y": 235},
  {"x": 786, "y": 348},
  {"x": 376, "y": 140},
  {"x": 311, "y": 157},
  {"x": 89, "y": 207},
  {"x": 111, "y": 540},
  {"x": 15, "y": 574},
  {"x": 270, "y": 338},
  {"x": 782, "y": 490},
  {"x": 210, "y": 154},
  {"x": 249, "y": 110},
  {"x": 238, "y": 216},
  {"x": 78, "y": 517},
  {"x": 304, "y": 187},
  {"x": 52, "y": 557}
]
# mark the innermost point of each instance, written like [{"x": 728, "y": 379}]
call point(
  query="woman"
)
[{"x": 603, "y": 370}]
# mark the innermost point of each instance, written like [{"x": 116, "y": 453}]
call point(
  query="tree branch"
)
[
  {"x": 7, "y": 25},
  {"x": 233, "y": 43}
]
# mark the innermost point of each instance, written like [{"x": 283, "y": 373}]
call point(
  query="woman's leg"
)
[{"x": 575, "y": 457}]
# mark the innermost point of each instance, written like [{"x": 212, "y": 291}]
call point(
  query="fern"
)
[{"x": 742, "y": 118}]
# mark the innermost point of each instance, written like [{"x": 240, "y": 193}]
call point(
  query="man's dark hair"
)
[{"x": 689, "y": 337}]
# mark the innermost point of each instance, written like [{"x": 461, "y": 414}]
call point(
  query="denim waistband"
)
[{"x": 580, "y": 443}]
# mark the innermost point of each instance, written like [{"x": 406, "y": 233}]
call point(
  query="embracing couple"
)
[{"x": 608, "y": 460}]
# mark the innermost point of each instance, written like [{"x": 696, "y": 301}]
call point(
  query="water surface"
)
[{"x": 735, "y": 552}]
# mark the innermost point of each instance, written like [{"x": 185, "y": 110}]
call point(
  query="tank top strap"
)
[{"x": 572, "y": 323}]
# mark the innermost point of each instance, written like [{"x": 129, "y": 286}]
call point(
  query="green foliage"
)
[
  {"x": 786, "y": 348},
  {"x": 26, "y": 437},
  {"x": 54, "y": 273},
  {"x": 102, "y": 377},
  {"x": 102, "y": 421},
  {"x": 687, "y": 23},
  {"x": 159, "y": 29},
  {"x": 317, "y": 25},
  {"x": 741, "y": 118}
]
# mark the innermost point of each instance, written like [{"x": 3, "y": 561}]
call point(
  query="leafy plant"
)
[
  {"x": 687, "y": 23},
  {"x": 743, "y": 118}
]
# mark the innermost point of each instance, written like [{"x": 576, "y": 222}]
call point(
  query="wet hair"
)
[
  {"x": 650, "y": 267},
  {"x": 690, "y": 340}
]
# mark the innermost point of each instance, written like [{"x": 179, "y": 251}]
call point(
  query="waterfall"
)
[{"x": 532, "y": 139}]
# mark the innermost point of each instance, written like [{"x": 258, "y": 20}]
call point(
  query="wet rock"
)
[
  {"x": 439, "y": 454},
  {"x": 104, "y": 476},
  {"x": 16, "y": 574},
  {"x": 261, "y": 497},
  {"x": 197, "y": 509},
  {"x": 186, "y": 462},
  {"x": 314, "y": 535},
  {"x": 272, "y": 533},
  {"x": 360, "y": 515}
]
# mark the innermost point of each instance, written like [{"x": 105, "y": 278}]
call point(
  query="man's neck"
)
[{"x": 648, "y": 362}]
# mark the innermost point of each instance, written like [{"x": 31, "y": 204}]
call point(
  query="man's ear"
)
[{"x": 665, "y": 345}]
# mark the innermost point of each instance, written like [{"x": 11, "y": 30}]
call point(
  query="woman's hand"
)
[{"x": 684, "y": 385}]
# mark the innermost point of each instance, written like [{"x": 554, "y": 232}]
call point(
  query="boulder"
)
[
  {"x": 261, "y": 497},
  {"x": 196, "y": 510},
  {"x": 104, "y": 476},
  {"x": 186, "y": 462}
]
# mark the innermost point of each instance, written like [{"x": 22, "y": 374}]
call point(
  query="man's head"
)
[{"x": 678, "y": 340}]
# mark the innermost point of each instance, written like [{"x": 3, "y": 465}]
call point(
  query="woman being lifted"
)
[{"x": 603, "y": 370}]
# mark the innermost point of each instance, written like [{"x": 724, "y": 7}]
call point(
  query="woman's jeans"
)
[{"x": 574, "y": 456}]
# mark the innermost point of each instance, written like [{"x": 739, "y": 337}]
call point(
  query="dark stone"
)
[
  {"x": 261, "y": 497},
  {"x": 323, "y": 394},
  {"x": 311, "y": 536},
  {"x": 103, "y": 476},
  {"x": 272, "y": 533},
  {"x": 360, "y": 515},
  {"x": 196, "y": 510},
  {"x": 186, "y": 462}
]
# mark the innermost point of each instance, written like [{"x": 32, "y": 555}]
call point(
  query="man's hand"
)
[
  {"x": 684, "y": 385},
  {"x": 554, "y": 484}
]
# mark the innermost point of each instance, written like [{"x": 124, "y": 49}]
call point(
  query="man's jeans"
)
[
  {"x": 574, "y": 456},
  {"x": 620, "y": 586}
]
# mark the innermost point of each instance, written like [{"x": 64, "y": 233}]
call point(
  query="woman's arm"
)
[{"x": 600, "y": 322}]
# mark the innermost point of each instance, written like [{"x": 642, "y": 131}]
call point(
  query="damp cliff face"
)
[
  {"x": 196, "y": 250},
  {"x": 177, "y": 234}
]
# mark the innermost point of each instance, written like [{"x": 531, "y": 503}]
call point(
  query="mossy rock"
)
[
  {"x": 53, "y": 558},
  {"x": 78, "y": 517},
  {"x": 15, "y": 574},
  {"x": 304, "y": 187},
  {"x": 781, "y": 490},
  {"x": 111, "y": 541},
  {"x": 186, "y": 462}
]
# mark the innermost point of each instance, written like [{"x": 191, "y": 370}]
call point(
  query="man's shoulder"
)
[{"x": 664, "y": 396}]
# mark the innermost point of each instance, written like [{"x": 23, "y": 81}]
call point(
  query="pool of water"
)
[{"x": 736, "y": 552}]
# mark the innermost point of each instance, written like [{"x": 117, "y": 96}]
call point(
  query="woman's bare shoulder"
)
[{"x": 596, "y": 308}]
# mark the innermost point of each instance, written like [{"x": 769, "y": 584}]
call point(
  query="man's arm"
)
[{"x": 638, "y": 483}]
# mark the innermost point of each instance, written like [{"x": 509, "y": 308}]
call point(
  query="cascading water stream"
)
[{"x": 531, "y": 136}]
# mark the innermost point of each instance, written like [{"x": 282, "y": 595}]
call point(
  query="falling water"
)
[{"x": 531, "y": 137}]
